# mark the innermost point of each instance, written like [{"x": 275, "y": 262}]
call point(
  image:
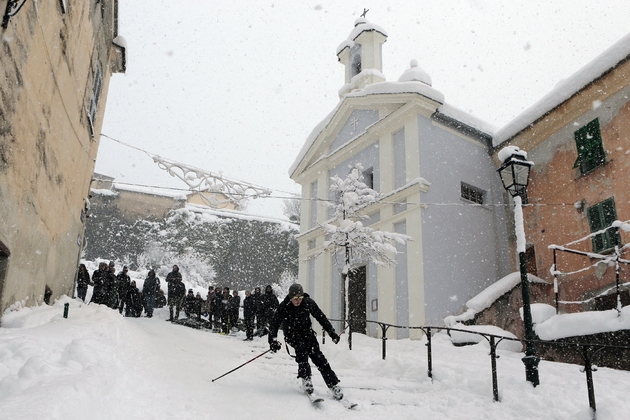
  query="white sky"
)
[{"x": 236, "y": 87}]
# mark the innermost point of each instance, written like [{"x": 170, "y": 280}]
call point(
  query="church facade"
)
[{"x": 432, "y": 165}]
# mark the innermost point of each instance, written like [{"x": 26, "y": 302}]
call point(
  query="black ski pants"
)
[{"x": 310, "y": 348}]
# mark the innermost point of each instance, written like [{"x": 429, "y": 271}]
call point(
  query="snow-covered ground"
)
[{"x": 98, "y": 365}]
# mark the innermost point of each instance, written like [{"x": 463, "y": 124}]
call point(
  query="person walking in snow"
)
[
  {"x": 233, "y": 307},
  {"x": 225, "y": 311},
  {"x": 111, "y": 284},
  {"x": 83, "y": 281},
  {"x": 294, "y": 314},
  {"x": 268, "y": 305},
  {"x": 99, "y": 277},
  {"x": 149, "y": 292},
  {"x": 207, "y": 307},
  {"x": 176, "y": 292},
  {"x": 257, "y": 308},
  {"x": 132, "y": 301},
  {"x": 249, "y": 312},
  {"x": 124, "y": 281},
  {"x": 217, "y": 309}
]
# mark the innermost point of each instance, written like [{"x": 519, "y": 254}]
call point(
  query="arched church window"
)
[{"x": 355, "y": 60}]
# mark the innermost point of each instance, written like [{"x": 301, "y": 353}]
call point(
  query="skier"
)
[{"x": 294, "y": 313}]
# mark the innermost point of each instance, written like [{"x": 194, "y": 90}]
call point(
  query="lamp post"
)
[{"x": 514, "y": 174}]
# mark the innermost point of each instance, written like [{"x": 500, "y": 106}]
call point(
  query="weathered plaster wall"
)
[
  {"x": 47, "y": 152},
  {"x": 555, "y": 186}
]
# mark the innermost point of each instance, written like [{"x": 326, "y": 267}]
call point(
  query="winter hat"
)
[{"x": 296, "y": 290}]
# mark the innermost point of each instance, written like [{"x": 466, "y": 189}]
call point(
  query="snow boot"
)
[
  {"x": 336, "y": 392},
  {"x": 307, "y": 385}
]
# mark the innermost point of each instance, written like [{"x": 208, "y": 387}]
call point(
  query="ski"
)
[
  {"x": 349, "y": 405},
  {"x": 314, "y": 400}
]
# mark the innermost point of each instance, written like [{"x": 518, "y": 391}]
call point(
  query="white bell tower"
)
[{"x": 362, "y": 56}]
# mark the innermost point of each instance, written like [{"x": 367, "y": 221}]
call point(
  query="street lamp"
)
[{"x": 514, "y": 174}]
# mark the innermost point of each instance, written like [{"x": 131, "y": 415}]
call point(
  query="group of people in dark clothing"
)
[
  {"x": 258, "y": 308},
  {"x": 118, "y": 291},
  {"x": 221, "y": 306}
]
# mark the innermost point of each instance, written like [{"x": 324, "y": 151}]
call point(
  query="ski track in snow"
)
[{"x": 99, "y": 365}]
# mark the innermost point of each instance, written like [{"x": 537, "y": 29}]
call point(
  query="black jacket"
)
[
  {"x": 268, "y": 304},
  {"x": 83, "y": 279},
  {"x": 296, "y": 321},
  {"x": 174, "y": 279},
  {"x": 249, "y": 311},
  {"x": 149, "y": 289}
]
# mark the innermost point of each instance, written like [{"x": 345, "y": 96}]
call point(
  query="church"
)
[{"x": 432, "y": 164}]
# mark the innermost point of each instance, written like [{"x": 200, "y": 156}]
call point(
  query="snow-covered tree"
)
[
  {"x": 292, "y": 209},
  {"x": 347, "y": 233}
]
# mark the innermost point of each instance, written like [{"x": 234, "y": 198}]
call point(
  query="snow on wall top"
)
[
  {"x": 565, "y": 89},
  {"x": 234, "y": 214},
  {"x": 103, "y": 191},
  {"x": 162, "y": 192}
]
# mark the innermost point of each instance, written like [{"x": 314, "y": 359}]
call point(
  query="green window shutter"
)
[
  {"x": 610, "y": 215},
  {"x": 588, "y": 141},
  {"x": 595, "y": 222},
  {"x": 601, "y": 216}
]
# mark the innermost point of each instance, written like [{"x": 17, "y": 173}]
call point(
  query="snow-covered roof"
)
[
  {"x": 103, "y": 191},
  {"x": 162, "y": 192},
  {"x": 583, "y": 323},
  {"x": 390, "y": 88},
  {"x": 313, "y": 136},
  {"x": 121, "y": 41},
  {"x": 565, "y": 89},
  {"x": 234, "y": 214},
  {"x": 468, "y": 119},
  {"x": 382, "y": 88},
  {"x": 489, "y": 295},
  {"x": 360, "y": 25}
]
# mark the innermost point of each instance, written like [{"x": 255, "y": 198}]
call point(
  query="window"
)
[
  {"x": 588, "y": 141},
  {"x": 601, "y": 216},
  {"x": 96, "y": 92},
  {"x": 355, "y": 60},
  {"x": 368, "y": 177},
  {"x": 471, "y": 193},
  {"x": 313, "y": 215},
  {"x": 400, "y": 167}
]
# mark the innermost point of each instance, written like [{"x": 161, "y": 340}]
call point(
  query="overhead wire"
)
[{"x": 291, "y": 196}]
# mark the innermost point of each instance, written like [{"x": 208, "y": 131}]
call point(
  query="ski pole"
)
[{"x": 238, "y": 367}]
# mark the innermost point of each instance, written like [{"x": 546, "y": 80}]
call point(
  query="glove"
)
[
  {"x": 334, "y": 337},
  {"x": 275, "y": 346}
]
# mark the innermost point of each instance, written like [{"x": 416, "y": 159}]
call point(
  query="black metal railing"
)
[{"x": 587, "y": 351}]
